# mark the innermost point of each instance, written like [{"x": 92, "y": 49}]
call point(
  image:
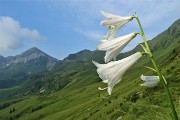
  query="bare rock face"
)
[
  {"x": 25, "y": 59},
  {"x": 51, "y": 63}
]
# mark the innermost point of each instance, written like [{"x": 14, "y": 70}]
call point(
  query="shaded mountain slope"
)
[{"x": 16, "y": 69}]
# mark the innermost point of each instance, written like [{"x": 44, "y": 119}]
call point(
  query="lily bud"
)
[{"x": 149, "y": 81}]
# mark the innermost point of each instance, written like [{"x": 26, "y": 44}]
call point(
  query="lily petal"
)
[
  {"x": 113, "y": 31},
  {"x": 109, "y": 15}
]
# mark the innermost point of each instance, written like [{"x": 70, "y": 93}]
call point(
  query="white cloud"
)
[
  {"x": 156, "y": 15},
  {"x": 13, "y": 36},
  {"x": 90, "y": 34}
]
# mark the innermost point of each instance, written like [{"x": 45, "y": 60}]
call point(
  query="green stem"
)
[{"x": 162, "y": 79}]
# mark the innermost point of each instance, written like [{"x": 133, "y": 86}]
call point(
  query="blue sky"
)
[{"x": 62, "y": 27}]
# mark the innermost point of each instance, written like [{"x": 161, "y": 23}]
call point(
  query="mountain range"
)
[{"x": 68, "y": 89}]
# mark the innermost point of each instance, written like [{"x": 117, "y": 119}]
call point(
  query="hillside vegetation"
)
[{"x": 70, "y": 90}]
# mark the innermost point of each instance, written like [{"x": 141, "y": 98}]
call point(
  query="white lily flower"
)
[
  {"x": 115, "y": 22},
  {"x": 114, "y": 19},
  {"x": 114, "y": 47},
  {"x": 112, "y": 72},
  {"x": 150, "y": 81}
]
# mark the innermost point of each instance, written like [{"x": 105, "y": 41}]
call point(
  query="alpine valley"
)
[{"x": 36, "y": 86}]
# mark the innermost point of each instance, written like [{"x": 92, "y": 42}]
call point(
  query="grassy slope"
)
[{"x": 79, "y": 101}]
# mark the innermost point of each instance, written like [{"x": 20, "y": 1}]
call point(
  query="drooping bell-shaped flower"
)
[
  {"x": 115, "y": 22},
  {"x": 149, "y": 81},
  {"x": 114, "y": 47},
  {"x": 112, "y": 72}
]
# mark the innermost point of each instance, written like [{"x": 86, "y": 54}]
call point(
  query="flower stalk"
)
[
  {"x": 162, "y": 79},
  {"x": 112, "y": 72}
]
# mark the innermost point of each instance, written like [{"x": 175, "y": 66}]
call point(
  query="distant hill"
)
[{"x": 15, "y": 69}]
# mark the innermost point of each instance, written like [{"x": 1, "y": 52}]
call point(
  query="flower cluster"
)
[{"x": 112, "y": 72}]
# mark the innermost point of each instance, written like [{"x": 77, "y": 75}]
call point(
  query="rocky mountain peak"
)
[
  {"x": 33, "y": 50},
  {"x": 16, "y": 68},
  {"x": 34, "y": 54}
]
